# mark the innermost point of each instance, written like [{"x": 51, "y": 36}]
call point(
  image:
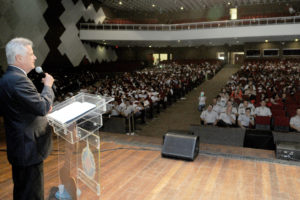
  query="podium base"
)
[{"x": 63, "y": 196}]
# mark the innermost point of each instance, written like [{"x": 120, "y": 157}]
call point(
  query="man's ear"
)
[{"x": 19, "y": 58}]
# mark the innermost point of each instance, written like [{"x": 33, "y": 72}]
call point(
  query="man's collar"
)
[{"x": 19, "y": 69}]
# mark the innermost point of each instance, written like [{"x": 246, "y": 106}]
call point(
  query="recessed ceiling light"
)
[
  {"x": 266, "y": 41},
  {"x": 296, "y": 40},
  {"x": 104, "y": 43},
  {"x": 181, "y": 8},
  {"x": 237, "y": 41},
  {"x": 150, "y": 46},
  {"x": 153, "y": 5},
  {"x": 228, "y": 3},
  {"x": 120, "y": 2}
]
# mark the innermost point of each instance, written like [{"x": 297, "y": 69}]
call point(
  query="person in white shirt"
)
[
  {"x": 202, "y": 99},
  {"x": 224, "y": 99},
  {"x": 244, "y": 105},
  {"x": 127, "y": 110},
  {"x": 216, "y": 107},
  {"x": 295, "y": 121},
  {"x": 246, "y": 119},
  {"x": 263, "y": 110},
  {"x": 115, "y": 109},
  {"x": 208, "y": 116},
  {"x": 227, "y": 118},
  {"x": 229, "y": 104},
  {"x": 250, "y": 85}
]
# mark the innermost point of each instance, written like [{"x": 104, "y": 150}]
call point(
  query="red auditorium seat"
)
[
  {"x": 263, "y": 123},
  {"x": 291, "y": 112},
  {"x": 277, "y": 107},
  {"x": 282, "y": 124},
  {"x": 278, "y": 112}
]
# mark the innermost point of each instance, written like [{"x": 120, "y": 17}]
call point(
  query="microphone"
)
[{"x": 40, "y": 71}]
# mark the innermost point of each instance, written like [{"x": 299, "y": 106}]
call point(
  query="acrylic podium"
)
[{"x": 76, "y": 122}]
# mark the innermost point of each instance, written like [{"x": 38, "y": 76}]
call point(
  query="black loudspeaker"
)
[
  {"x": 259, "y": 139},
  {"x": 180, "y": 146}
]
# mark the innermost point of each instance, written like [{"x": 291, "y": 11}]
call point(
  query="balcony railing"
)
[{"x": 192, "y": 26}]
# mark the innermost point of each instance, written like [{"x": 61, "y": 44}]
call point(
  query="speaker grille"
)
[{"x": 180, "y": 146}]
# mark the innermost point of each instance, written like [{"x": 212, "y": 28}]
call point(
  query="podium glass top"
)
[{"x": 76, "y": 107}]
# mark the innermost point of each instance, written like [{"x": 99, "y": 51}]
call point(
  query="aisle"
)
[{"x": 184, "y": 112}]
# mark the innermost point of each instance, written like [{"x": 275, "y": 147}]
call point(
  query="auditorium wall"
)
[
  {"x": 274, "y": 45},
  {"x": 23, "y": 18},
  {"x": 178, "y": 53},
  {"x": 53, "y": 26}
]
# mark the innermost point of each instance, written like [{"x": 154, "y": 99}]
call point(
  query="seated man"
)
[
  {"x": 295, "y": 121},
  {"x": 115, "y": 109},
  {"x": 227, "y": 119},
  {"x": 229, "y": 104},
  {"x": 263, "y": 110},
  {"x": 246, "y": 119},
  {"x": 243, "y": 106},
  {"x": 216, "y": 107},
  {"x": 208, "y": 116}
]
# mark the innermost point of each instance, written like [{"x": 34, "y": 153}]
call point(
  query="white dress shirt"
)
[
  {"x": 226, "y": 118},
  {"x": 295, "y": 121},
  {"x": 209, "y": 117},
  {"x": 263, "y": 111}
]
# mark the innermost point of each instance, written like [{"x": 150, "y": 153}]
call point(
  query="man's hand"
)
[
  {"x": 48, "y": 80},
  {"x": 50, "y": 109}
]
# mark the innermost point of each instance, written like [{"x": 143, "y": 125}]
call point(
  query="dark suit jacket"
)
[{"x": 28, "y": 134}]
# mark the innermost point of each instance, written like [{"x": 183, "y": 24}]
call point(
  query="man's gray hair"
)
[{"x": 16, "y": 46}]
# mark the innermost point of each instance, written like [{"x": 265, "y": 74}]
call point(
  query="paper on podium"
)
[{"x": 72, "y": 111}]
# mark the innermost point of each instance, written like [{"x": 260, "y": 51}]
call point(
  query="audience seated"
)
[
  {"x": 267, "y": 89},
  {"x": 227, "y": 118},
  {"x": 295, "y": 121},
  {"x": 246, "y": 120},
  {"x": 138, "y": 94},
  {"x": 243, "y": 106},
  {"x": 209, "y": 116},
  {"x": 263, "y": 110}
]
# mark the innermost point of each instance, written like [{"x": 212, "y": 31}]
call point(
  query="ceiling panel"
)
[{"x": 175, "y": 5}]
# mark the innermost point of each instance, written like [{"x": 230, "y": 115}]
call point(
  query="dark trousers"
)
[{"x": 28, "y": 182}]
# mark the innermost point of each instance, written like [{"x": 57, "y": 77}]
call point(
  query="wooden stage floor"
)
[{"x": 141, "y": 175}]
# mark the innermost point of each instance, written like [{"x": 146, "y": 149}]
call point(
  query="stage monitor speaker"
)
[{"x": 180, "y": 146}]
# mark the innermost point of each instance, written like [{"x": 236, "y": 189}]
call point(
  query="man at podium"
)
[{"x": 28, "y": 134}]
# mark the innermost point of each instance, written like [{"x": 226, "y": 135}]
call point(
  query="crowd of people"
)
[
  {"x": 256, "y": 90},
  {"x": 141, "y": 93}
]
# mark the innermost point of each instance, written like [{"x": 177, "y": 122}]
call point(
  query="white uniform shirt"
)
[
  {"x": 226, "y": 118},
  {"x": 234, "y": 110},
  {"x": 209, "y": 117},
  {"x": 202, "y": 100},
  {"x": 217, "y": 108},
  {"x": 242, "y": 109},
  {"x": 295, "y": 121},
  {"x": 263, "y": 111},
  {"x": 115, "y": 111},
  {"x": 223, "y": 102},
  {"x": 245, "y": 120},
  {"x": 128, "y": 110}
]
